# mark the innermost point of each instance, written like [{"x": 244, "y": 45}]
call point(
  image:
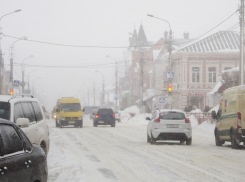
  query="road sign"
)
[
  {"x": 161, "y": 100},
  {"x": 170, "y": 99},
  {"x": 170, "y": 75},
  {"x": 16, "y": 83},
  {"x": 116, "y": 97}
]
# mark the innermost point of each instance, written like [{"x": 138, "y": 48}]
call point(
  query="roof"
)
[
  {"x": 231, "y": 70},
  {"x": 162, "y": 110},
  {"x": 5, "y": 98},
  {"x": 6, "y": 121},
  {"x": 220, "y": 41},
  {"x": 215, "y": 89},
  {"x": 69, "y": 100}
]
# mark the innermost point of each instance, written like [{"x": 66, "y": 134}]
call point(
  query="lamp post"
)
[
  {"x": 29, "y": 78},
  {"x": 103, "y": 86},
  {"x": 170, "y": 38},
  {"x": 23, "y": 73},
  {"x": 1, "y": 62},
  {"x": 88, "y": 93},
  {"x": 11, "y": 61},
  {"x": 34, "y": 82},
  {"x": 116, "y": 90},
  {"x": 94, "y": 89}
]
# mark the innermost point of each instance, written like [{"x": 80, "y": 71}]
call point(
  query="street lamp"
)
[
  {"x": 29, "y": 79},
  {"x": 116, "y": 90},
  {"x": 1, "y": 62},
  {"x": 23, "y": 73},
  {"x": 170, "y": 38},
  {"x": 11, "y": 60},
  {"x": 103, "y": 86},
  {"x": 94, "y": 89},
  {"x": 88, "y": 92}
]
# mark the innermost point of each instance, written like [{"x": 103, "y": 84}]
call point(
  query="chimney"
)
[
  {"x": 186, "y": 35},
  {"x": 165, "y": 35}
]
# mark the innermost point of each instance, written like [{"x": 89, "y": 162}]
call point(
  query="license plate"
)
[
  {"x": 71, "y": 122},
  {"x": 101, "y": 122},
  {"x": 172, "y": 126}
]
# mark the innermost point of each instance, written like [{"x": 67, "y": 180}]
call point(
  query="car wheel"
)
[
  {"x": 217, "y": 140},
  {"x": 43, "y": 146},
  {"x": 234, "y": 143},
  {"x": 148, "y": 139},
  {"x": 60, "y": 125},
  {"x": 153, "y": 140},
  {"x": 182, "y": 141},
  {"x": 95, "y": 125},
  {"x": 113, "y": 125},
  {"x": 189, "y": 141},
  {"x": 56, "y": 123},
  {"x": 81, "y": 125}
]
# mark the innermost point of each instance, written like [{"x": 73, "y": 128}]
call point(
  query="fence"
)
[{"x": 202, "y": 116}]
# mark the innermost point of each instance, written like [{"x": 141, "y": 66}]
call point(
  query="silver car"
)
[{"x": 169, "y": 124}]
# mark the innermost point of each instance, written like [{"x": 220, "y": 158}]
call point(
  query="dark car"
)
[
  {"x": 104, "y": 116},
  {"x": 19, "y": 159}
]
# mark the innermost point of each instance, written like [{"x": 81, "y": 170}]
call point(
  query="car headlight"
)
[
  {"x": 80, "y": 118},
  {"x": 62, "y": 118},
  {"x": 54, "y": 116}
]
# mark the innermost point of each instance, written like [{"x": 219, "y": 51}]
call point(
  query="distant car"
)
[
  {"x": 93, "y": 113},
  {"x": 169, "y": 125},
  {"x": 19, "y": 159},
  {"x": 26, "y": 111},
  {"x": 117, "y": 116},
  {"x": 104, "y": 116}
]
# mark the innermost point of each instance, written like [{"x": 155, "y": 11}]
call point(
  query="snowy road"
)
[{"x": 104, "y": 153}]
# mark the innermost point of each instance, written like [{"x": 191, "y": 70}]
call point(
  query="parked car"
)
[
  {"x": 14, "y": 107},
  {"x": 117, "y": 116},
  {"x": 93, "y": 113},
  {"x": 104, "y": 116},
  {"x": 169, "y": 125},
  {"x": 19, "y": 159},
  {"x": 230, "y": 125}
]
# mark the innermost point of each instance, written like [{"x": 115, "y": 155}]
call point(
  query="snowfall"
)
[{"x": 122, "y": 153}]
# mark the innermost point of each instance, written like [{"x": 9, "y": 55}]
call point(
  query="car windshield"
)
[
  {"x": 5, "y": 110},
  {"x": 70, "y": 107},
  {"x": 172, "y": 116}
]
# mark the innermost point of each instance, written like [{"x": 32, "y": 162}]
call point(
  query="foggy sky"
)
[{"x": 95, "y": 23}]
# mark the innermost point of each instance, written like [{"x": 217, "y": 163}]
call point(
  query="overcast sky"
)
[{"x": 95, "y": 23}]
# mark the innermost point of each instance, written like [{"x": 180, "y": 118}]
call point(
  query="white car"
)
[
  {"x": 169, "y": 124},
  {"x": 27, "y": 113}
]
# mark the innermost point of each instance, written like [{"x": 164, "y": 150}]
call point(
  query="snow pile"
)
[
  {"x": 138, "y": 119},
  {"x": 205, "y": 128},
  {"x": 193, "y": 120},
  {"x": 132, "y": 109},
  {"x": 216, "y": 108},
  {"x": 196, "y": 111}
]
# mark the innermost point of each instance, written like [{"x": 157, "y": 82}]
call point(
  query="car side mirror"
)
[
  {"x": 22, "y": 122},
  {"x": 148, "y": 118}
]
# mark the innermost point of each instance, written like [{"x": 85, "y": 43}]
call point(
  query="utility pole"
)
[
  {"x": 1, "y": 70},
  {"x": 11, "y": 69},
  {"x": 88, "y": 97},
  {"x": 116, "y": 95},
  {"x": 141, "y": 78},
  {"x": 23, "y": 82},
  {"x": 242, "y": 42}
]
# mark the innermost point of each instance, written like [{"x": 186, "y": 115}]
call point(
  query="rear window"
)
[
  {"x": 172, "y": 116},
  {"x": 103, "y": 111},
  {"x": 5, "y": 110},
  {"x": 70, "y": 107}
]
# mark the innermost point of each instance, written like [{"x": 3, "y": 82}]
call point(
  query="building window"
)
[
  {"x": 195, "y": 74},
  {"x": 227, "y": 68},
  {"x": 212, "y": 74}
]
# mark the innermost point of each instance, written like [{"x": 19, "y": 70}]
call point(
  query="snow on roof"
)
[
  {"x": 215, "y": 89},
  {"x": 231, "y": 70}
]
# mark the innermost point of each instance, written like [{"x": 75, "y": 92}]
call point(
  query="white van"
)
[{"x": 27, "y": 113}]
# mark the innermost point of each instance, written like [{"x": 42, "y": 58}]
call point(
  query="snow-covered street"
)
[{"x": 104, "y": 153}]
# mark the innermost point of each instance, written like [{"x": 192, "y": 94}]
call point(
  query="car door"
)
[
  {"x": 18, "y": 113},
  {"x": 18, "y": 168},
  {"x": 3, "y": 163}
]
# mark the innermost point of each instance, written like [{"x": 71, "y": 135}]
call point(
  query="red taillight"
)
[
  {"x": 96, "y": 115},
  {"x": 113, "y": 115},
  {"x": 157, "y": 120},
  {"x": 187, "y": 120},
  {"x": 239, "y": 118}
]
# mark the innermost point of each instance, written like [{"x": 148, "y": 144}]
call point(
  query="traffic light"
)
[
  {"x": 169, "y": 88},
  {"x": 11, "y": 92}
]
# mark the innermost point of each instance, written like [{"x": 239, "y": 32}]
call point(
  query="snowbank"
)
[
  {"x": 132, "y": 109},
  {"x": 137, "y": 119},
  {"x": 216, "y": 108},
  {"x": 196, "y": 111},
  {"x": 193, "y": 120}
]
